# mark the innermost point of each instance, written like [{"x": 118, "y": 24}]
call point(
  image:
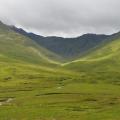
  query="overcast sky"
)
[{"x": 66, "y": 18}]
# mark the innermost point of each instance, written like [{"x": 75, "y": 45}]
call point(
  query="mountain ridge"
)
[
  {"x": 67, "y": 48},
  {"x": 85, "y": 44},
  {"x": 19, "y": 47},
  {"x": 102, "y": 58}
]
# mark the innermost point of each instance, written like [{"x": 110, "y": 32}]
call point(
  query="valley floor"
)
[{"x": 33, "y": 93}]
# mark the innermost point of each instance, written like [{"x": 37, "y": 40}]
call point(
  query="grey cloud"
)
[{"x": 62, "y": 17}]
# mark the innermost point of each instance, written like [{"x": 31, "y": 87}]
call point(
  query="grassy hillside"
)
[
  {"x": 32, "y": 92},
  {"x": 100, "y": 65},
  {"x": 20, "y": 48},
  {"x": 105, "y": 56}
]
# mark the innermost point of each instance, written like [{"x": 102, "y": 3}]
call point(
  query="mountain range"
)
[
  {"x": 66, "y": 48},
  {"x": 18, "y": 44},
  {"x": 55, "y": 78}
]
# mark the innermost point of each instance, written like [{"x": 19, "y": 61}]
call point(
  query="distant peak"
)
[{"x": 1, "y": 21}]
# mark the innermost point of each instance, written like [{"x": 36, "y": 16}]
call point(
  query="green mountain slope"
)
[
  {"x": 106, "y": 55},
  {"x": 20, "y": 48},
  {"x": 101, "y": 64}
]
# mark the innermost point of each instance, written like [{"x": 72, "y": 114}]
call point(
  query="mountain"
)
[
  {"x": 67, "y": 48},
  {"x": 16, "y": 47},
  {"x": 101, "y": 64},
  {"x": 105, "y": 57},
  {"x": 33, "y": 87}
]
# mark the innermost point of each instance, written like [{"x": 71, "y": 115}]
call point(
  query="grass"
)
[{"x": 38, "y": 93}]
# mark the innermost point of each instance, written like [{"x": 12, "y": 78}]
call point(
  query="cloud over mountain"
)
[{"x": 62, "y": 17}]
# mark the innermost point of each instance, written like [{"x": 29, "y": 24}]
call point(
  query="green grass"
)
[
  {"x": 42, "y": 93},
  {"x": 39, "y": 93}
]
